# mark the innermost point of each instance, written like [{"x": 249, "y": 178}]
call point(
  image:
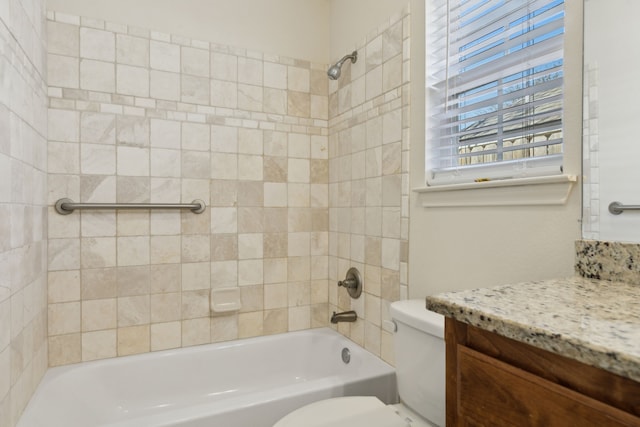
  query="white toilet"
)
[{"x": 420, "y": 369}]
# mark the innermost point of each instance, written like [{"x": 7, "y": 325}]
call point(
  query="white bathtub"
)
[{"x": 245, "y": 383}]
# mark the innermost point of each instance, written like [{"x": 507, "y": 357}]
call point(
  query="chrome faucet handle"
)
[
  {"x": 348, "y": 283},
  {"x": 352, "y": 283}
]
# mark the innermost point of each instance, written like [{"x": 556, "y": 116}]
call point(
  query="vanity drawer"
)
[{"x": 494, "y": 393}]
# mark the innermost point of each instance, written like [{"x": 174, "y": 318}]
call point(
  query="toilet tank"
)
[{"x": 420, "y": 358}]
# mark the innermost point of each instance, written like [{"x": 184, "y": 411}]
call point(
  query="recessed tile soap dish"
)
[{"x": 225, "y": 300}]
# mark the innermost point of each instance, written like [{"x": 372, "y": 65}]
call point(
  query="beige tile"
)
[
  {"x": 166, "y": 307},
  {"x": 299, "y": 269},
  {"x": 63, "y": 125},
  {"x": 63, "y": 39},
  {"x": 224, "y": 67},
  {"x": 99, "y": 314},
  {"x": 196, "y": 331},
  {"x": 275, "y": 296},
  {"x": 165, "y": 133},
  {"x": 165, "y": 336},
  {"x": 275, "y": 270},
  {"x": 133, "y": 281},
  {"x": 97, "y": 44},
  {"x": 194, "y": 89},
  {"x": 195, "y": 164},
  {"x": 392, "y": 41},
  {"x": 97, "y": 252},
  {"x": 195, "y": 304},
  {"x": 299, "y": 104},
  {"x": 224, "y": 94},
  {"x": 99, "y": 283},
  {"x": 250, "y": 220},
  {"x": 98, "y": 76},
  {"x": 390, "y": 285},
  {"x": 224, "y": 139},
  {"x": 373, "y": 53},
  {"x": 97, "y": 159},
  {"x": 275, "y": 321},
  {"x": 224, "y": 273},
  {"x": 195, "y": 248},
  {"x": 392, "y": 73},
  {"x": 275, "y": 75},
  {"x": 319, "y": 292},
  {"x": 224, "y": 166},
  {"x": 195, "y": 276},
  {"x": 63, "y": 71},
  {"x": 133, "y": 340},
  {"x": 250, "y": 246},
  {"x": 250, "y": 71},
  {"x": 99, "y": 345},
  {"x": 166, "y": 278},
  {"x": 275, "y": 193},
  {"x": 298, "y": 79},
  {"x": 132, "y": 80},
  {"x": 250, "y": 272},
  {"x": 372, "y": 338},
  {"x": 275, "y": 143},
  {"x": 132, "y": 50},
  {"x": 64, "y": 349},
  {"x": 133, "y": 311},
  {"x": 224, "y": 328},
  {"x": 298, "y": 195},
  {"x": 195, "y": 136},
  {"x": 299, "y": 294},
  {"x": 252, "y": 298},
  {"x": 299, "y": 318},
  {"x": 250, "y": 324},
  {"x": 64, "y": 318},
  {"x": 386, "y": 348},
  {"x": 63, "y": 286},
  {"x": 195, "y": 61},
  {"x": 275, "y": 245},
  {"x": 320, "y": 315},
  {"x": 164, "y": 85},
  {"x": 250, "y": 167},
  {"x": 98, "y": 128},
  {"x": 133, "y": 251},
  {"x": 164, "y": 56}
]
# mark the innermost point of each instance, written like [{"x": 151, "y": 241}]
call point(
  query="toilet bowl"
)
[{"x": 420, "y": 370}]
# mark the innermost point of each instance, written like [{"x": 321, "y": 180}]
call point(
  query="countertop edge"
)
[{"x": 576, "y": 349}]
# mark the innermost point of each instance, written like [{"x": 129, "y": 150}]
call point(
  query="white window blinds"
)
[{"x": 494, "y": 89}]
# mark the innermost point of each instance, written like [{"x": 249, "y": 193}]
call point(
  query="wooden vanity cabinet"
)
[{"x": 496, "y": 381}]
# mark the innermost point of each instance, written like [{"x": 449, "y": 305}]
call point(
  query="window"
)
[{"x": 494, "y": 89}]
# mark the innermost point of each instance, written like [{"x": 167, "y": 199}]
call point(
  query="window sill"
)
[{"x": 544, "y": 190}]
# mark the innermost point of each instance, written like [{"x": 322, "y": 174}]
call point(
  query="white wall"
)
[
  {"x": 352, "y": 20},
  {"x": 611, "y": 147},
  {"x": 292, "y": 28},
  {"x": 468, "y": 247}
]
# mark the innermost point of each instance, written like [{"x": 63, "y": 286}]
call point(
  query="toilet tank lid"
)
[{"x": 414, "y": 313}]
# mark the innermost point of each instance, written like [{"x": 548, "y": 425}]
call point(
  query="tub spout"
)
[{"x": 345, "y": 316}]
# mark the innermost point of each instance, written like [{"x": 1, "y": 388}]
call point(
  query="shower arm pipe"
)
[
  {"x": 353, "y": 56},
  {"x": 67, "y": 206}
]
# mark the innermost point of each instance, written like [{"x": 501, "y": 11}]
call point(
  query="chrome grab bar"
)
[
  {"x": 67, "y": 206},
  {"x": 616, "y": 208}
]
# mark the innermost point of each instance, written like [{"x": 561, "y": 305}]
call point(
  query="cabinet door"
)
[{"x": 493, "y": 393}]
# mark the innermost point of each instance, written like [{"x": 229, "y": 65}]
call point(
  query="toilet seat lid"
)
[{"x": 351, "y": 411}]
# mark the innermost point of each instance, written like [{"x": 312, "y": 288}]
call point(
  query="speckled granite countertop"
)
[{"x": 596, "y": 322}]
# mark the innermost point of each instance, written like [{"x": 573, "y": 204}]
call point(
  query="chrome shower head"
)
[{"x": 334, "y": 71}]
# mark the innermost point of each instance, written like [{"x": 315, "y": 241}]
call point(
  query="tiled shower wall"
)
[
  {"x": 23, "y": 179},
  {"x": 368, "y": 181},
  {"x": 142, "y": 116}
]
